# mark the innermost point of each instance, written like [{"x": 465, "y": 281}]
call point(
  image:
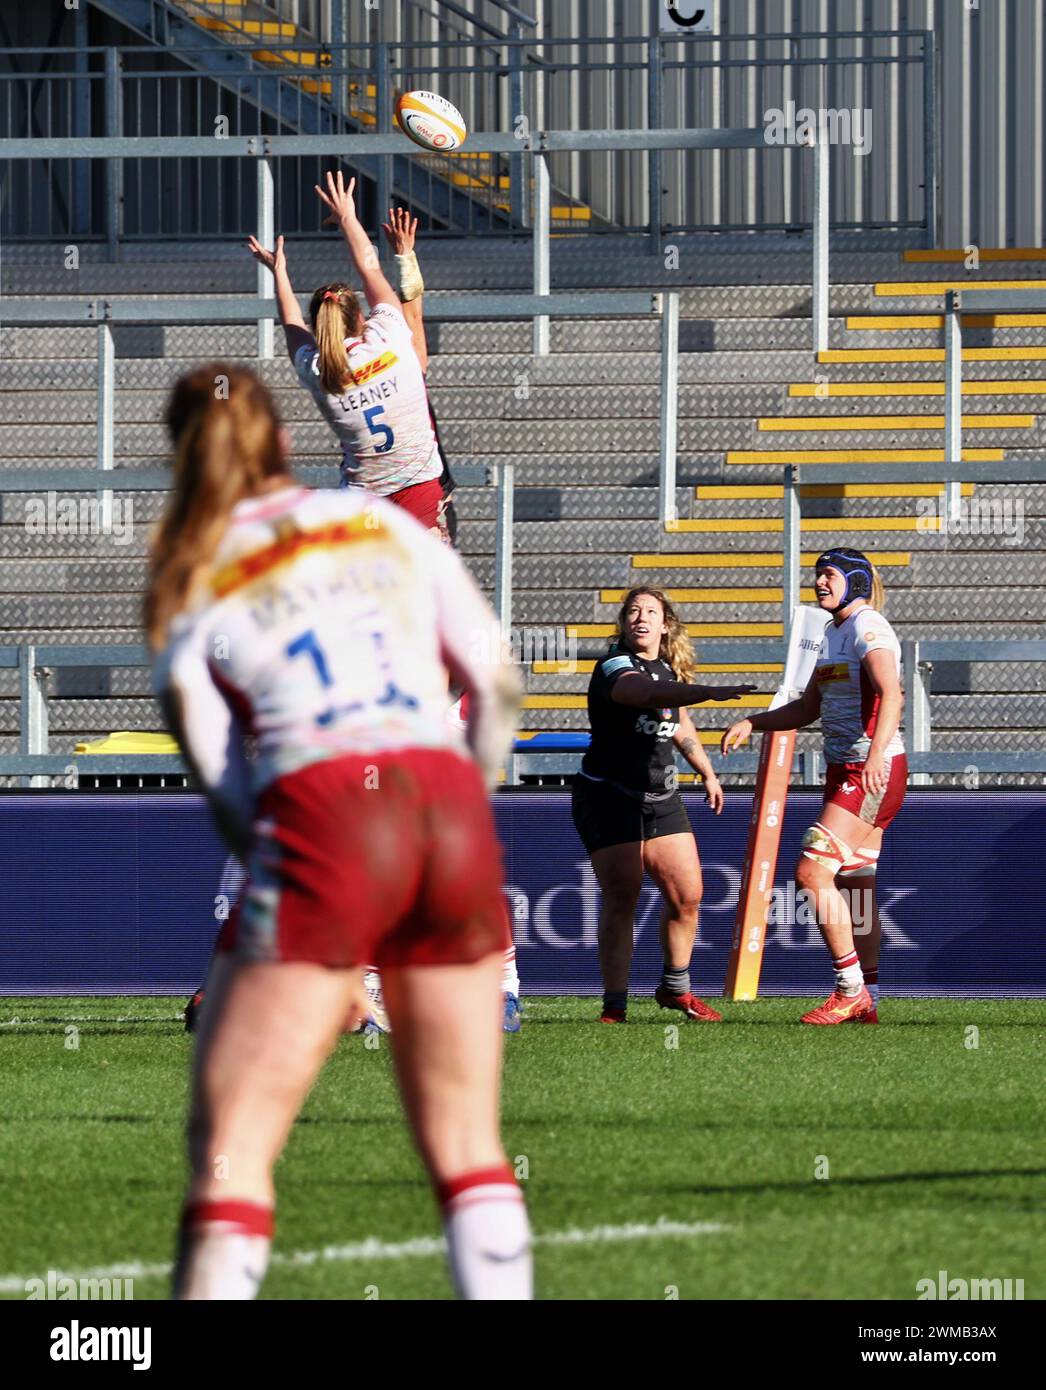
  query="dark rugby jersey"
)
[{"x": 631, "y": 748}]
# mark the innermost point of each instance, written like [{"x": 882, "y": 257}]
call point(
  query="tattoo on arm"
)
[{"x": 687, "y": 746}]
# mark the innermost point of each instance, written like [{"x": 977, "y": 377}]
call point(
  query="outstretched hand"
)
[
  {"x": 735, "y": 736},
  {"x": 275, "y": 261},
  {"x": 400, "y": 231},
  {"x": 339, "y": 199}
]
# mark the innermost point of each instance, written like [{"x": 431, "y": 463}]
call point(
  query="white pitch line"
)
[{"x": 375, "y": 1249}]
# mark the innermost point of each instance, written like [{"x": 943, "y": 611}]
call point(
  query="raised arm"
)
[
  {"x": 287, "y": 305},
  {"x": 400, "y": 232},
  {"x": 340, "y": 200}
]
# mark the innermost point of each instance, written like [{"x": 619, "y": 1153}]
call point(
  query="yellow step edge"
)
[
  {"x": 693, "y": 630},
  {"x": 959, "y": 255},
  {"x": 1004, "y": 354},
  {"x": 888, "y": 323},
  {"x": 739, "y": 595},
  {"x": 743, "y": 456},
  {"x": 851, "y": 390},
  {"x": 291, "y": 57},
  {"x": 884, "y": 559},
  {"x": 268, "y": 28},
  {"x": 833, "y": 424},
  {"x": 587, "y": 666},
  {"x": 558, "y": 214},
  {"x": 774, "y": 493},
  {"x": 775, "y": 525},
  {"x": 935, "y": 289},
  {"x": 581, "y": 702}
]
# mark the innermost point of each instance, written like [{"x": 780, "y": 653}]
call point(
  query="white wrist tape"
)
[{"x": 411, "y": 285}]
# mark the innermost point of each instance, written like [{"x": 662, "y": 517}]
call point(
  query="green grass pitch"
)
[{"x": 927, "y": 1136}]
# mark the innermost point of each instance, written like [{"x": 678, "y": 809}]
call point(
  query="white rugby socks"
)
[
  {"x": 224, "y": 1250},
  {"x": 488, "y": 1234}
]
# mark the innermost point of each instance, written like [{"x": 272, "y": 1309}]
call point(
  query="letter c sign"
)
[{"x": 690, "y": 16}]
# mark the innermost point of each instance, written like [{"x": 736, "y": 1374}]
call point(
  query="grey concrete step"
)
[{"x": 732, "y": 370}]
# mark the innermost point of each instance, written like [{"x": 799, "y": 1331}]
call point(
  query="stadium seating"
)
[{"x": 582, "y": 428}]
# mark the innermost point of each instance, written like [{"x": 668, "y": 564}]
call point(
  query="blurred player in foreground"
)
[
  {"x": 323, "y": 624},
  {"x": 856, "y": 692},
  {"x": 401, "y": 233},
  {"x": 626, "y": 802}
]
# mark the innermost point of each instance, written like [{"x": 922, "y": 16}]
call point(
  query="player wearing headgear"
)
[
  {"x": 856, "y": 692},
  {"x": 323, "y": 624},
  {"x": 626, "y": 803},
  {"x": 366, "y": 374}
]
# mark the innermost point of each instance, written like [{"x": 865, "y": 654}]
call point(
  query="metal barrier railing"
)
[
  {"x": 237, "y": 89},
  {"x": 957, "y": 303},
  {"x": 540, "y": 145},
  {"x": 38, "y": 765}
]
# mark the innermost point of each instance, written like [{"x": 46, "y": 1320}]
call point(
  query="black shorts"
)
[{"x": 604, "y": 816}]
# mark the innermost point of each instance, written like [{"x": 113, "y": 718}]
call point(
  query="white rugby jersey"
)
[
  {"x": 326, "y": 627},
  {"x": 382, "y": 421},
  {"x": 849, "y": 702}
]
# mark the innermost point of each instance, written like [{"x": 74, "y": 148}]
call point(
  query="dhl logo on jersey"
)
[
  {"x": 289, "y": 545},
  {"x": 837, "y": 671},
  {"x": 374, "y": 368}
]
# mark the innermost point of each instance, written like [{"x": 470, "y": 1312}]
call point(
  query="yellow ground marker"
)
[
  {"x": 851, "y": 389},
  {"x": 740, "y": 456},
  {"x": 934, "y": 289},
  {"x": 1003, "y": 354},
  {"x": 586, "y": 667},
  {"x": 693, "y": 630},
  {"x": 887, "y": 323},
  {"x": 763, "y": 559},
  {"x": 802, "y": 423},
  {"x": 774, "y": 493},
  {"x": 960, "y": 256},
  {"x": 811, "y": 523}
]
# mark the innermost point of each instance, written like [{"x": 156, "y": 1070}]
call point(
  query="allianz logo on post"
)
[{"x": 565, "y": 915}]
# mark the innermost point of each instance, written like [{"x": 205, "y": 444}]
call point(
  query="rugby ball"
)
[{"x": 431, "y": 121}]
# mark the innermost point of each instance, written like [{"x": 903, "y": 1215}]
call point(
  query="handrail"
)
[
  {"x": 37, "y": 764},
  {"x": 958, "y": 302}
]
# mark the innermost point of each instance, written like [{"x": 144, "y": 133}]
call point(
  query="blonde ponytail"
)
[
  {"x": 336, "y": 315},
  {"x": 878, "y": 598},
  {"x": 226, "y": 445}
]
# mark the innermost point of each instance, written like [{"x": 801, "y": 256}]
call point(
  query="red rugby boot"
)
[
  {"x": 610, "y": 1015},
  {"x": 841, "y": 1008},
  {"x": 871, "y": 1017},
  {"x": 688, "y": 1003}
]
